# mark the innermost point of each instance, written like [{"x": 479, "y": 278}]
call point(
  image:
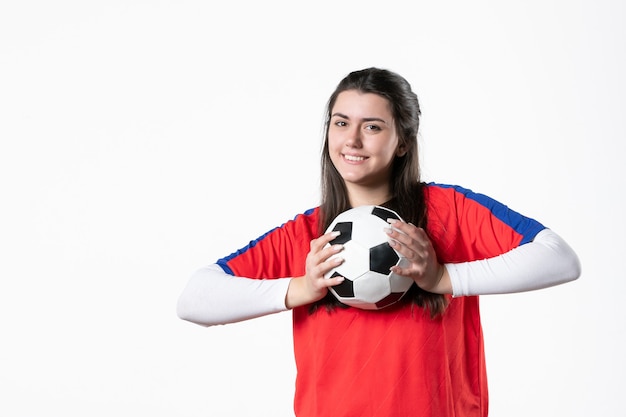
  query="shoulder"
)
[
  {"x": 435, "y": 190},
  {"x": 287, "y": 241},
  {"x": 459, "y": 199},
  {"x": 302, "y": 223},
  {"x": 307, "y": 219},
  {"x": 474, "y": 213},
  {"x": 444, "y": 199}
]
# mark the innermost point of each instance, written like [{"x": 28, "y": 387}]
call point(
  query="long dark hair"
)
[{"x": 406, "y": 186}]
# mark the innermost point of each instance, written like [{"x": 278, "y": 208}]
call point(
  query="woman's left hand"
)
[{"x": 413, "y": 243}]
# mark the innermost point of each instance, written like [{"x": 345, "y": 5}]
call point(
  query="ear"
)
[{"x": 401, "y": 151}]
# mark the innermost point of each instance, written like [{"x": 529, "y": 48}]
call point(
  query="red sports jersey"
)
[{"x": 397, "y": 361}]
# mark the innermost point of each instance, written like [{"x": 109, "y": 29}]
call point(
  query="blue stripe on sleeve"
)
[
  {"x": 223, "y": 262},
  {"x": 525, "y": 226}
]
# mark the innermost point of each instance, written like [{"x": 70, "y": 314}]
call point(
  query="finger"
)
[
  {"x": 409, "y": 246},
  {"x": 328, "y": 282},
  {"x": 329, "y": 256},
  {"x": 414, "y": 271},
  {"x": 417, "y": 254},
  {"x": 408, "y": 229},
  {"x": 405, "y": 272},
  {"x": 399, "y": 237},
  {"x": 320, "y": 242},
  {"x": 401, "y": 233},
  {"x": 331, "y": 282},
  {"x": 406, "y": 246},
  {"x": 325, "y": 260},
  {"x": 333, "y": 262},
  {"x": 401, "y": 248}
]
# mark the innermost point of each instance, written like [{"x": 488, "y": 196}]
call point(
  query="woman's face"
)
[{"x": 362, "y": 139}]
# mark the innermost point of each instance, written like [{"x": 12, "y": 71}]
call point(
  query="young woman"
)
[{"x": 422, "y": 356}]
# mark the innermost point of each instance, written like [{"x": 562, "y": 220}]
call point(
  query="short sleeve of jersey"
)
[
  {"x": 467, "y": 226},
  {"x": 279, "y": 253}
]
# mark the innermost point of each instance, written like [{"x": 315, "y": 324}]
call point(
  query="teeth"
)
[{"x": 354, "y": 158}]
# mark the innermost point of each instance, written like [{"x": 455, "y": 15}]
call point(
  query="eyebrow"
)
[{"x": 366, "y": 119}]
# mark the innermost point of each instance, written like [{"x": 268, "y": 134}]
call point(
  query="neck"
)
[{"x": 368, "y": 196}]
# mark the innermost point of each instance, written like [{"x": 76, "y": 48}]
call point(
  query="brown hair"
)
[{"x": 406, "y": 186}]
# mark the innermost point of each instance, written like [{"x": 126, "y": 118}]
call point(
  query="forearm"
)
[
  {"x": 545, "y": 262},
  {"x": 213, "y": 297}
]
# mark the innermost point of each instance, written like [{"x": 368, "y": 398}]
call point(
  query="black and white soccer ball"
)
[{"x": 369, "y": 284}]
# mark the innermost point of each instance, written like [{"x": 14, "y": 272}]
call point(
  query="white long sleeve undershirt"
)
[
  {"x": 545, "y": 262},
  {"x": 214, "y": 297}
]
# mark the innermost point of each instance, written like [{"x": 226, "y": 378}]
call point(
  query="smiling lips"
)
[{"x": 353, "y": 158}]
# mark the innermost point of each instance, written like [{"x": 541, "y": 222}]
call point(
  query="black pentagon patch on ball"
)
[
  {"x": 346, "y": 233},
  {"x": 384, "y": 214},
  {"x": 345, "y": 289},
  {"x": 382, "y": 258},
  {"x": 390, "y": 299}
]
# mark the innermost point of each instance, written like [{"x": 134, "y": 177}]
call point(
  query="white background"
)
[{"x": 141, "y": 140}]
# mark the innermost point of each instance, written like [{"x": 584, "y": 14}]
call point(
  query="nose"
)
[{"x": 353, "y": 138}]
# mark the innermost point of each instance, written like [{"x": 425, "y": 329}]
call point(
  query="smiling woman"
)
[
  {"x": 422, "y": 356},
  {"x": 362, "y": 144}
]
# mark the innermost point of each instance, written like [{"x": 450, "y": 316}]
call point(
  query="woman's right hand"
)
[{"x": 313, "y": 286}]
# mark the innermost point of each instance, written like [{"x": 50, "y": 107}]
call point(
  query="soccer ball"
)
[{"x": 368, "y": 284}]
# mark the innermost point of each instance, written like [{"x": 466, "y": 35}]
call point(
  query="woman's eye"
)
[
  {"x": 372, "y": 127},
  {"x": 340, "y": 123}
]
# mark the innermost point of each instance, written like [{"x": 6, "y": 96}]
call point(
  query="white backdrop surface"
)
[{"x": 140, "y": 140}]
